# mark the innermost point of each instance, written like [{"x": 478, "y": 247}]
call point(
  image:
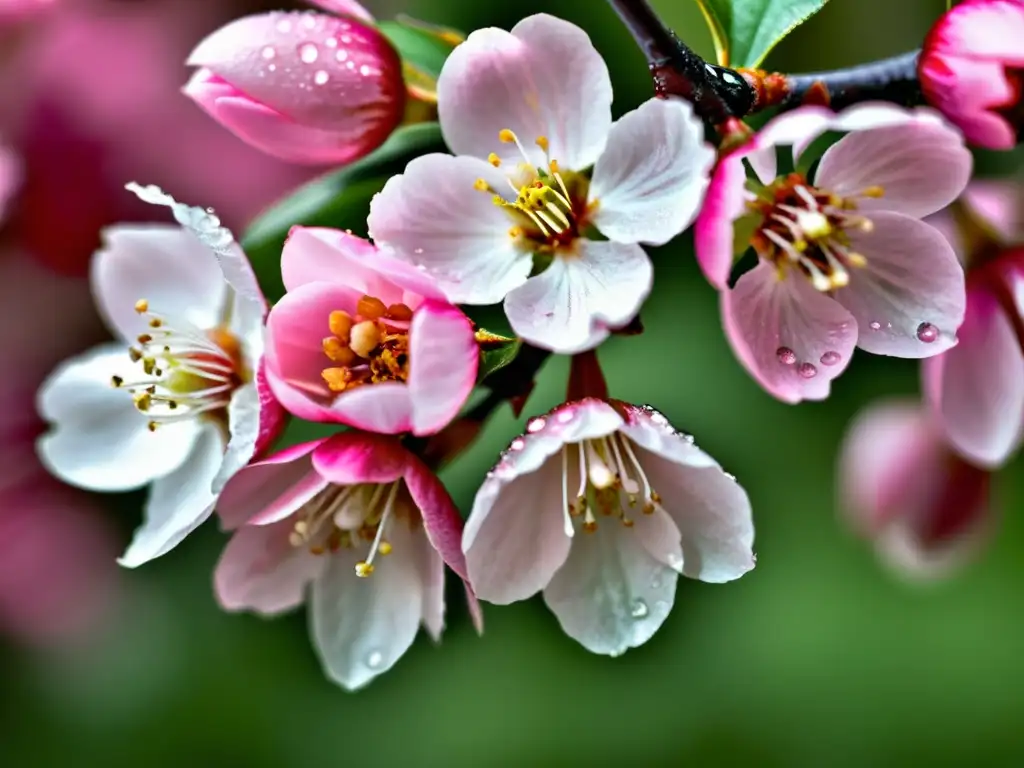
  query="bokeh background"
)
[{"x": 818, "y": 657}]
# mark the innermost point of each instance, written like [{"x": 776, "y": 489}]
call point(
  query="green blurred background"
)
[{"x": 818, "y": 657}]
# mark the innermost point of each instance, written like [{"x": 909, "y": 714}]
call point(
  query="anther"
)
[
  {"x": 116, "y": 381},
  {"x": 384, "y": 548},
  {"x": 399, "y": 312},
  {"x": 364, "y": 338},
  {"x": 506, "y": 136},
  {"x": 494, "y": 160},
  {"x": 542, "y": 142},
  {"x": 371, "y": 308},
  {"x": 337, "y": 379},
  {"x": 141, "y": 306},
  {"x": 364, "y": 569},
  {"x": 340, "y": 323},
  {"x": 482, "y": 186},
  {"x": 337, "y": 351}
]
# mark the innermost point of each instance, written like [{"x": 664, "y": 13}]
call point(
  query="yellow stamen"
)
[
  {"x": 141, "y": 306},
  {"x": 506, "y": 136},
  {"x": 364, "y": 569},
  {"x": 365, "y": 338},
  {"x": 542, "y": 142},
  {"x": 340, "y": 323},
  {"x": 337, "y": 379},
  {"x": 337, "y": 351},
  {"x": 371, "y": 308},
  {"x": 494, "y": 160},
  {"x": 399, "y": 312}
]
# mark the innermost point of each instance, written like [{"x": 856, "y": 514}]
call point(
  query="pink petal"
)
[
  {"x": 921, "y": 166},
  {"x": 786, "y": 333},
  {"x": 349, "y": 458},
  {"x": 650, "y": 179},
  {"x": 909, "y": 299},
  {"x": 432, "y": 577},
  {"x": 441, "y": 518},
  {"x": 270, "y": 490},
  {"x": 443, "y": 362},
  {"x": 492, "y": 82},
  {"x": 999, "y": 203},
  {"x": 572, "y": 305},
  {"x": 164, "y": 264},
  {"x": 273, "y": 418},
  {"x": 344, "y": 8},
  {"x": 965, "y": 90},
  {"x": 433, "y": 217},
  {"x": 713, "y": 232},
  {"x": 611, "y": 594},
  {"x": 261, "y": 571},
  {"x": 981, "y": 29},
  {"x": 979, "y": 383},
  {"x": 386, "y": 408},
  {"x": 10, "y": 177}
]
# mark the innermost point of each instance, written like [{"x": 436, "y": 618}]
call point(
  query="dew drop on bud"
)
[
  {"x": 340, "y": 55},
  {"x": 786, "y": 355},
  {"x": 638, "y": 609},
  {"x": 536, "y": 425},
  {"x": 374, "y": 659},
  {"x": 268, "y": 52},
  {"x": 830, "y": 358},
  {"x": 366, "y": 70},
  {"x": 518, "y": 444},
  {"x": 284, "y": 26},
  {"x": 331, "y": 42},
  {"x": 321, "y": 77},
  {"x": 308, "y": 53},
  {"x": 927, "y": 333},
  {"x": 564, "y": 417},
  {"x": 875, "y": 325},
  {"x": 807, "y": 371}
]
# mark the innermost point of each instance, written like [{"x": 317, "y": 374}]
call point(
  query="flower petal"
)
[
  {"x": 433, "y": 217},
  {"x": 922, "y": 166},
  {"x": 573, "y": 304},
  {"x": 344, "y": 8},
  {"x": 909, "y": 299},
  {"x": 164, "y": 264},
  {"x": 979, "y": 383},
  {"x": 443, "y": 362},
  {"x": 713, "y": 233},
  {"x": 261, "y": 571},
  {"x": 611, "y": 595},
  {"x": 999, "y": 203},
  {"x": 786, "y": 333},
  {"x": 432, "y": 578},
  {"x": 544, "y": 78},
  {"x": 967, "y": 91},
  {"x": 178, "y": 503},
  {"x": 441, "y": 519},
  {"x": 99, "y": 441},
  {"x": 244, "y": 425},
  {"x": 10, "y": 177},
  {"x": 650, "y": 180},
  {"x": 361, "y": 627},
  {"x": 349, "y": 458}
]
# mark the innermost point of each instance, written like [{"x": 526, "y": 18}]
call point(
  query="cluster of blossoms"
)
[{"x": 544, "y": 205}]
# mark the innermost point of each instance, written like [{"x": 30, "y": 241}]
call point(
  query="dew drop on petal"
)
[
  {"x": 875, "y": 325},
  {"x": 321, "y": 77},
  {"x": 340, "y": 55},
  {"x": 308, "y": 53},
  {"x": 366, "y": 70},
  {"x": 417, "y": 250},
  {"x": 272, "y": 67},
  {"x": 346, "y": 39},
  {"x": 536, "y": 425},
  {"x": 268, "y": 52},
  {"x": 564, "y": 417},
  {"x": 927, "y": 333},
  {"x": 374, "y": 659},
  {"x": 350, "y": 65},
  {"x": 309, "y": 21},
  {"x": 786, "y": 355},
  {"x": 284, "y": 26},
  {"x": 331, "y": 42},
  {"x": 807, "y": 371},
  {"x": 675, "y": 562},
  {"x": 518, "y": 444},
  {"x": 830, "y": 358},
  {"x": 638, "y": 609}
]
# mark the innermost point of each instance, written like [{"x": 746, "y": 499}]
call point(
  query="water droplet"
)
[
  {"x": 875, "y": 325},
  {"x": 830, "y": 358},
  {"x": 321, "y": 77},
  {"x": 417, "y": 250},
  {"x": 675, "y": 562},
  {"x": 350, "y": 65},
  {"x": 807, "y": 371},
  {"x": 341, "y": 55},
  {"x": 927, "y": 333},
  {"x": 309, "y": 53},
  {"x": 688, "y": 438},
  {"x": 309, "y": 21},
  {"x": 658, "y": 418},
  {"x": 564, "y": 417},
  {"x": 638, "y": 609},
  {"x": 331, "y": 42},
  {"x": 536, "y": 425},
  {"x": 268, "y": 52},
  {"x": 374, "y": 659},
  {"x": 729, "y": 476},
  {"x": 272, "y": 68},
  {"x": 366, "y": 70},
  {"x": 284, "y": 26},
  {"x": 518, "y": 444},
  {"x": 346, "y": 39},
  {"x": 786, "y": 355}
]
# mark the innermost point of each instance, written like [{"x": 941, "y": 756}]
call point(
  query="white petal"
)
[
  {"x": 544, "y": 78},
  {"x": 363, "y": 626},
  {"x": 99, "y": 440},
  {"x": 432, "y": 577},
  {"x": 244, "y": 423},
  {"x": 650, "y": 180},
  {"x": 179, "y": 502},
  {"x": 611, "y": 595},
  {"x": 573, "y": 304},
  {"x": 432, "y": 216},
  {"x": 164, "y": 264}
]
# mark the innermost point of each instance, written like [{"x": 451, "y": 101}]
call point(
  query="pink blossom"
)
[
  {"x": 524, "y": 134},
  {"x": 179, "y": 401},
  {"x": 366, "y": 340},
  {"x": 650, "y": 504},
  {"x": 365, "y": 526},
  {"x": 924, "y": 507},
  {"x": 307, "y": 88},
  {"x": 843, "y": 259},
  {"x": 971, "y": 69},
  {"x": 976, "y": 389}
]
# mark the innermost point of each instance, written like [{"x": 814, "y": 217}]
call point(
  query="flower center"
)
[
  {"x": 369, "y": 348},
  {"x": 549, "y": 209},
  {"x": 350, "y": 516},
  {"x": 807, "y": 228},
  {"x": 611, "y": 482},
  {"x": 187, "y": 373}
]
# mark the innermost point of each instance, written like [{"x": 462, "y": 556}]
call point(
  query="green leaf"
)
[
  {"x": 744, "y": 31},
  {"x": 418, "y": 46},
  {"x": 496, "y": 355},
  {"x": 339, "y": 199}
]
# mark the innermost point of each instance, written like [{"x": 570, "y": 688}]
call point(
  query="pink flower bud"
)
[
  {"x": 972, "y": 69},
  {"x": 304, "y": 87}
]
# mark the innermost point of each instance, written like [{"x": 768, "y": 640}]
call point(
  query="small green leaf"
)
[
  {"x": 339, "y": 199},
  {"x": 495, "y": 354},
  {"x": 418, "y": 46},
  {"x": 744, "y": 31}
]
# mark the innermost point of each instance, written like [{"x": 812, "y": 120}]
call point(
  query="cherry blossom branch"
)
[{"x": 721, "y": 93}]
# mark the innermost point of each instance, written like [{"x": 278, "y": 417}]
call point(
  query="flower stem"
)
[{"x": 893, "y": 80}]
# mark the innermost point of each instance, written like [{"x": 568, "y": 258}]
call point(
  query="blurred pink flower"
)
[
  {"x": 440, "y": 213},
  {"x": 361, "y": 522},
  {"x": 843, "y": 259},
  {"x": 925, "y": 508},
  {"x": 188, "y": 312},
  {"x": 366, "y": 340},
  {"x": 651, "y": 505},
  {"x": 305, "y": 87},
  {"x": 976, "y": 389},
  {"x": 972, "y": 69}
]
